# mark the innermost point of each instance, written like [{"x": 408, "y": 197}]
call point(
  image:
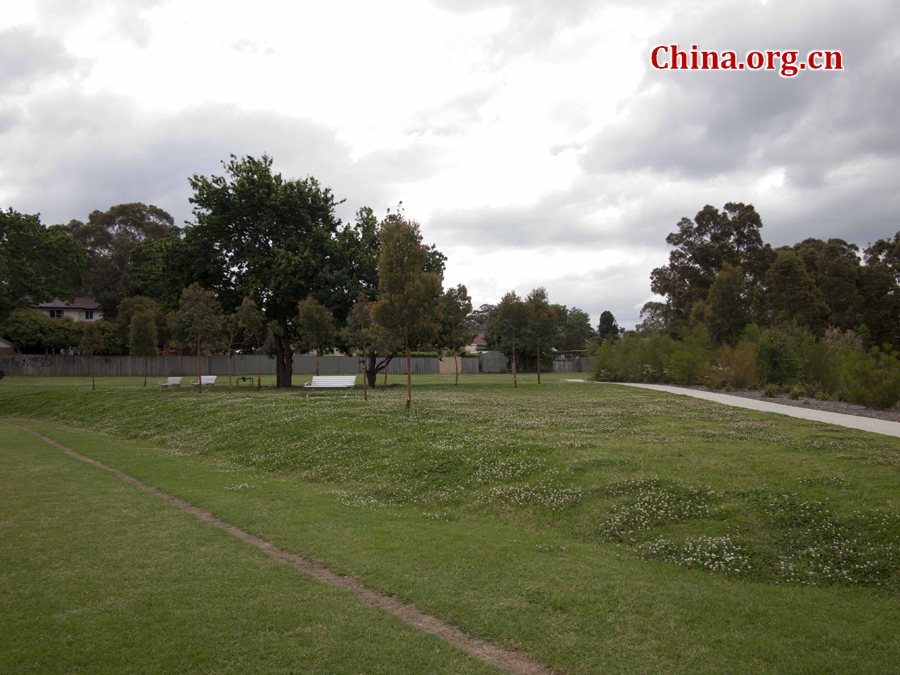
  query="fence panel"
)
[
  {"x": 493, "y": 362},
  {"x": 58, "y": 365},
  {"x": 244, "y": 364}
]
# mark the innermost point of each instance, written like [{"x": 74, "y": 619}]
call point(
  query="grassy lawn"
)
[
  {"x": 599, "y": 528},
  {"x": 98, "y": 577}
]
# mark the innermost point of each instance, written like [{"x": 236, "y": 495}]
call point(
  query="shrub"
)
[
  {"x": 777, "y": 358},
  {"x": 633, "y": 359},
  {"x": 690, "y": 357},
  {"x": 739, "y": 364},
  {"x": 771, "y": 390},
  {"x": 796, "y": 392},
  {"x": 871, "y": 379}
]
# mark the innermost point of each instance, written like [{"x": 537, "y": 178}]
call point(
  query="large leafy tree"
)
[
  {"x": 836, "y": 269},
  {"x": 37, "y": 263},
  {"x": 541, "y": 323},
  {"x": 880, "y": 290},
  {"x": 197, "y": 322},
  {"x": 276, "y": 241},
  {"x": 408, "y": 306},
  {"x": 702, "y": 246},
  {"x": 575, "y": 331},
  {"x": 456, "y": 330},
  {"x": 154, "y": 269},
  {"x": 727, "y": 313},
  {"x": 792, "y": 295},
  {"x": 315, "y": 323},
  {"x": 109, "y": 237}
]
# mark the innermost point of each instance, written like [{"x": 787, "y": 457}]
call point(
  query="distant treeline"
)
[{"x": 821, "y": 318}]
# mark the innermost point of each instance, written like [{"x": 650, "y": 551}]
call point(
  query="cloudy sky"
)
[{"x": 531, "y": 139}]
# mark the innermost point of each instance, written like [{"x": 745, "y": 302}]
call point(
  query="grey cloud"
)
[
  {"x": 98, "y": 151},
  {"x": 699, "y": 124},
  {"x": 26, "y": 57}
]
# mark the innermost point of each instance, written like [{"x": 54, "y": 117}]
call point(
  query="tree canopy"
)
[
  {"x": 109, "y": 238},
  {"x": 37, "y": 263},
  {"x": 197, "y": 322},
  {"x": 408, "y": 306},
  {"x": 276, "y": 241},
  {"x": 702, "y": 246}
]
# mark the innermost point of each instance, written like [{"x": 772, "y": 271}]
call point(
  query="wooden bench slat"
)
[{"x": 331, "y": 382}]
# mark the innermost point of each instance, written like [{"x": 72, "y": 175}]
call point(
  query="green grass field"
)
[{"x": 598, "y": 528}]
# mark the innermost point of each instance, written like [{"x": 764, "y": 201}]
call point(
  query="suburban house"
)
[
  {"x": 80, "y": 309},
  {"x": 7, "y": 347},
  {"x": 478, "y": 345}
]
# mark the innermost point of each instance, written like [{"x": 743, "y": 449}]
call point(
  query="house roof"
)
[
  {"x": 479, "y": 340},
  {"x": 84, "y": 302}
]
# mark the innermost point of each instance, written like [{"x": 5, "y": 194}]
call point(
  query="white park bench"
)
[
  {"x": 173, "y": 382},
  {"x": 206, "y": 381},
  {"x": 330, "y": 382}
]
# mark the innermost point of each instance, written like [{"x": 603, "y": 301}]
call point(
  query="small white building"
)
[{"x": 80, "y": 309}]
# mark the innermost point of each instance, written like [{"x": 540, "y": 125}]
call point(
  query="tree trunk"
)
[
  {"x": 370, "y": 372},
  {"x": 199, "y": 370},
  {"x": 93, "y": 383},
  {"x": 538, "y": 345},
  {"x": 515, "y": 382},
  {"x": 455, "y": 361},
  {"x": 373, "y": 368},
  {"x": 317, "y": 361},
  {"x": 145, "y": 371},
  {"x": 258, "y": 367},
  {"x": 284, "y": 358},
  {"x": 384, "y": 382},
  {"x": 408, "y": 370},
  {"x": 229, "y": 370},
  {"x": 365, "y": 388}
]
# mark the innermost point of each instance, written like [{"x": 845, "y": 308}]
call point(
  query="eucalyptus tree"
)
[
  {"x": 91, "y": 343},
  {"x": 198, "y": 321},
  {"x": 358, "y": 333},
  {"x": 508, "y": 324},
  {"x": 142, "y": 341},
  {"x": 457, "y": 309},
  {"x": 541, "y": 323},
  {"x": 109, "y": 237},
  {"x": 253, "y": 327},
  {"x": 408, "y": 303}
]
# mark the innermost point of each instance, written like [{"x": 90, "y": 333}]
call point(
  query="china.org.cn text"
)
[{"x": 787, "y": 63}]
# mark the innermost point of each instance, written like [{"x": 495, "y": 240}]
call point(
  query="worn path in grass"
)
[
  {"x": 850, "y": 421},
  {"x": 513, "y": 662}
]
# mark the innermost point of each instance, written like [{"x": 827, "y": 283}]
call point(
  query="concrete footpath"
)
[{"x": 850, "y": 421}]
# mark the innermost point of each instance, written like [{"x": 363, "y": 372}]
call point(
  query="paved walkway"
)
[{"x": 851, "y": 421}]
